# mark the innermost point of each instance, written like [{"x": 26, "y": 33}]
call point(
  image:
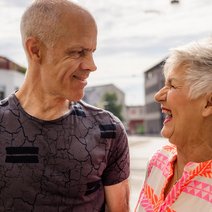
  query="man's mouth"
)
[{"x": 80, "y": 78}]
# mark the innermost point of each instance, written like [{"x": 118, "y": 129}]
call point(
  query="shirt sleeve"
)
[{"x": 118, "y": 164}]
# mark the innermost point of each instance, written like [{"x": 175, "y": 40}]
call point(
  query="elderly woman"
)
[{"x": 179, "y": 176}]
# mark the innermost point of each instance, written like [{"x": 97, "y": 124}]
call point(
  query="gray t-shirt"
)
[{"x": 59, "y": 165}]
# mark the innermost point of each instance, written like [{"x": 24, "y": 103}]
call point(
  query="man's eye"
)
[
  {"x": 80, "y": 52},
  {"x": 76, "y": 54}
]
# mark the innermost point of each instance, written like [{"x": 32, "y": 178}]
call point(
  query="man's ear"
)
[
  {"x": 207, "y": 111},
  {"x": 33, "y": 48}
]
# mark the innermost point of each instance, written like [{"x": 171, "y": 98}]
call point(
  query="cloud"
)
[
  {"x": 133, "y": 35},
  {"x": 15, "y": 3}
]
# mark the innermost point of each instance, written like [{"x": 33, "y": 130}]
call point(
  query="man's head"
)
[
  {"x": 59, "y": 39},
  {"x": 43, "y": 19}
]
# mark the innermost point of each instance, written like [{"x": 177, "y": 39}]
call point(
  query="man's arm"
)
[{"x": 117, "y": 197}]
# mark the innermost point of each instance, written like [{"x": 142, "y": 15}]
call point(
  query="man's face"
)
[{"x": 66, "y": 66}]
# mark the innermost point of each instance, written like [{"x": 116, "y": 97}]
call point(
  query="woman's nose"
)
[{"x": 161, "y": 94}]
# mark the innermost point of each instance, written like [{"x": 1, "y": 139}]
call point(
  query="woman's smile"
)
[{"x": 167, "y": 113}]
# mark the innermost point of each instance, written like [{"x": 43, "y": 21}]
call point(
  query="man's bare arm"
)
[{"x": 117, "y": 197}]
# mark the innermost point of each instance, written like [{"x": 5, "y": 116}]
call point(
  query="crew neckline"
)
[{"x": 17, "y": 102}]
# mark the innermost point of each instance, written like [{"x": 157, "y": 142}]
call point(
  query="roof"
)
[
  {"x": 9, "y": 65},
  {"x": 103, "y": 86},
  {"x": 161, "y": 63}
]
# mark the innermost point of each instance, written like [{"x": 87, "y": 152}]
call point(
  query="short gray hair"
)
[
  {"x": 196, "y": 57},
  {"x": 42, "y": 20}
]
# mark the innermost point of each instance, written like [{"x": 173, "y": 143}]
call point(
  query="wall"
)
[{"x": 10, "y": 81}]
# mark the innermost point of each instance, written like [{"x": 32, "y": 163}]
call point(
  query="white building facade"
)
[
  {"x": 9, "y": 82},
  {"x": 11, "y": 77}
]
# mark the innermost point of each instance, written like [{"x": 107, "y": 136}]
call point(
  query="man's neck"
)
[{"x": 41, "y": 105}]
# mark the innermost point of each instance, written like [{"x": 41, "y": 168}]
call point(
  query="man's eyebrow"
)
[
  {"x": 74, "y": 48},
  {"x": 79, "y": 48}
]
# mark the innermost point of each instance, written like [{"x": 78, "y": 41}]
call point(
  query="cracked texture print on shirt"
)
[{"x": 59, "y": 165}]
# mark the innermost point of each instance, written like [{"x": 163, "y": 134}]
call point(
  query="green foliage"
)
[
  {"x": 22, "y": 70},
  {"x": 140, "y": 129},
  {"x": 110, "y": 102}
]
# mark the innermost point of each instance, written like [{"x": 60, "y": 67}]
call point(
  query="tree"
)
[{"x": 110, "y": 104}]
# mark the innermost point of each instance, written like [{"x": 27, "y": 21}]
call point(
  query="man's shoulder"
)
[
  {"x": 4, "y": 103},
  {"x": 8, "y": 104},
  {"x": 99, "y": 114},
  {"x": 88, "y": 107},
  {"x": 91, "y": 109}
]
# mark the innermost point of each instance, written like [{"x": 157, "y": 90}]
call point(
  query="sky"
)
[{"x": 133, "y": 36}]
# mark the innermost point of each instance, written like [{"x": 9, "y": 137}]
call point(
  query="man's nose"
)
[
  {"x": 161, "y": 94},
  {"x": 88, "y": 63}
]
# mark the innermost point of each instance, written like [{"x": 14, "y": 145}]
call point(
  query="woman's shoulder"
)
[
  {"x": 166, "y": 153},
  {"x": 162, "y": 158},
  {"x": 169, "y": 149}
]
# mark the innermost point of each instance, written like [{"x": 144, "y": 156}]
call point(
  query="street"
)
[{"x": 141, "y": 150}]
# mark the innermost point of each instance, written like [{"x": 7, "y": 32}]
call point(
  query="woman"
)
[{"x": 179, "y": 177}]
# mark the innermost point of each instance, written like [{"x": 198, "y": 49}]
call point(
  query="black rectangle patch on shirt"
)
[
  {"x": 108, "y": 130},
  {"x": 108, "y": 134},
  {"x": 21, "y": 150},
  {"x": 107, "y": 127},
  {"x": 22, "y": 155},
  {"x": 92, "y": 187},
  {"x": 22, "y": 159},
  {"x": 78, "y": 112}
]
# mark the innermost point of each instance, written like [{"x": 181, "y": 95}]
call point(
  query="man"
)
[{"x": 56, "y": 152}]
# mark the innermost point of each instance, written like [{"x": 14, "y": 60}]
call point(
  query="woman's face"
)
[{"x": 183, "y": 116}]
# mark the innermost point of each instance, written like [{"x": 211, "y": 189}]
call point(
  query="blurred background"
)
[{"x": 134, "y": 39}]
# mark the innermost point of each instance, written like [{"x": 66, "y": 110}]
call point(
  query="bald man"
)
[{"x": 58, "y": 153}]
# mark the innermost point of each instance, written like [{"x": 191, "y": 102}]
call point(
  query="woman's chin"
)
[{"x": 166, "y": 133}]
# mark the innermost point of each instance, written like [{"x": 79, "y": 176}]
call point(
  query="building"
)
[
  {"x": 135, "y": 119},
  {"x": 154, "y": 81},
  {"x": 94, "y": 95},
  {"x": 175, "y": 1},
  {"x": 12, "y": 76}
]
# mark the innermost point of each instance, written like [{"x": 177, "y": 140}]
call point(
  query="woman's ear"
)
[{"x": 207, "y": 111}]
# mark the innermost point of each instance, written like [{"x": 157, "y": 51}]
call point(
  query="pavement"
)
[{"x": 141, "y": 150}]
